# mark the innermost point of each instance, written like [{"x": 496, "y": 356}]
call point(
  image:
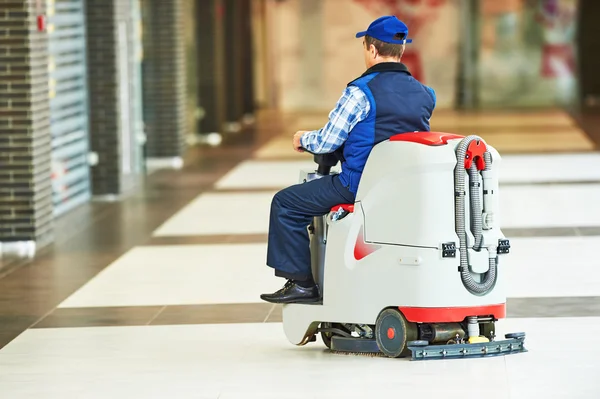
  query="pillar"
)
[
  {"x": 248, "y": 59},
  {"x": 25, "y": 142},
  {"x": 164, "y": 79},
  {"x": 210, "y": 65},
  {"x": 115, "y": 117},
  {"x": 234, "y": 67},
  {"x": 467, "y": 93},
  {"x": 588, "y": 53}
]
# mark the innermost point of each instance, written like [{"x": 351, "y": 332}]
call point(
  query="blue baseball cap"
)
[{"x": 386, "y": 28}]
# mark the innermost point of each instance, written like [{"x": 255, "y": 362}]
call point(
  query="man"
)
[{"x": 384, "y": 101}]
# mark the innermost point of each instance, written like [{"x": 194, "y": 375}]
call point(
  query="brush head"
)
[{"x": 366, "y": 354}]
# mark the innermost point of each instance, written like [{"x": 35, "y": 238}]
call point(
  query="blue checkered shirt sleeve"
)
[{"x": 352, "y": 107}]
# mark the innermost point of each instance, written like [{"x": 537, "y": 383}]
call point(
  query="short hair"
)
[{"x": 386, "y": 49}]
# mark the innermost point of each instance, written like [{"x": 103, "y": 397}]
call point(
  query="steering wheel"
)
[{"x": 324, "y": 161}]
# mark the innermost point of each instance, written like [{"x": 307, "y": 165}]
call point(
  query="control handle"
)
[{"x": 324, "y": 161}]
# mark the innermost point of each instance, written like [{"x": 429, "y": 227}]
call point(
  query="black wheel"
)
[
  {"x": 326, "y": 336},
  {"x": 392, "y": 332}
]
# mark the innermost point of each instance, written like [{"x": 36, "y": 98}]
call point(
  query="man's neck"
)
[{"x": 385, "y": 60}]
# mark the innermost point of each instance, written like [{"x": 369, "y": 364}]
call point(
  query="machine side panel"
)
[{"x": 407, "y": 194}]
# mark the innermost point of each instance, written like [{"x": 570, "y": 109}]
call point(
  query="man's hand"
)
[{"x": 296, "y": 140}]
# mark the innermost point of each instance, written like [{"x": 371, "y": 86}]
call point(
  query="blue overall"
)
[{"x": 399, "y": 103}]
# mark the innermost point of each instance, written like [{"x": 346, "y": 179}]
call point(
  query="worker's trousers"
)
[{"x": 292, "y": 211}]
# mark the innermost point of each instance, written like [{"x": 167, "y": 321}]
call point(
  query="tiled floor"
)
[
  {"x": 180, "y": 275},
  {"x": 158, "y": 296},
  {"x": 254, "y": 361},
  {"x": 550, "y": 205},
  {"x": 221, "y": 213}
]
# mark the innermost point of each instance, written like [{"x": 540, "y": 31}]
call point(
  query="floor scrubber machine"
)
[{"x": 413, "y": 267}]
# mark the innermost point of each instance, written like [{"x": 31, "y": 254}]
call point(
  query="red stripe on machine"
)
[
  {"x": 452, "y": 315},
  {"x": 427, "y": 138}
]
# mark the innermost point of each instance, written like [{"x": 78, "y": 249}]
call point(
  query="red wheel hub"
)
[{"x": 391, "y": 333}]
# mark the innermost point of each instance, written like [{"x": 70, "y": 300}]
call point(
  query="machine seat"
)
[
  {"x": 347, "y": 207},
  {"x": 427, "y": 138}
]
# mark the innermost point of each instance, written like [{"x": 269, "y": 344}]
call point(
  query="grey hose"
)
[
  {"x": 487, "y": 157},
  {"x": 489, "y": 277},
  {"x": 476, "y": 207}
]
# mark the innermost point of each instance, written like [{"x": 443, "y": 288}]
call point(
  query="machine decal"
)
[
  {"x": 363, "y": 249},
  {"x": 452, "y": 315}
]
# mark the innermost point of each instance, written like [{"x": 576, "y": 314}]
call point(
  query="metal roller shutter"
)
[{"x": 68, "y": 104}]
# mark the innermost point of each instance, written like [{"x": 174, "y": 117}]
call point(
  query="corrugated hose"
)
[{"x": 489, "y": 277}]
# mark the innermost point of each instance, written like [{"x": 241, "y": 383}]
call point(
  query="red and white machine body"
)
[{"x": 397, "y": 246}]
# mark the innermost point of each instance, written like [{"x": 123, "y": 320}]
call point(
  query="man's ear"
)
[{"x": 373, "y": 50}]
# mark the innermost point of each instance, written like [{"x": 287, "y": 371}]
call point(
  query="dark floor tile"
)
[
  {"x": 247, "y": 190},
  {"x": 214, "y": 314},
  {"x": 12, "y": 326},
  {"x": 188, "y": 240},
  {"x": 248, "y": 238},
  {"x": 589, "y": 231},
  {"x": 9, "y": 323},
  {"x": 209, "y": 239},
  {"x": 540, "y": 232},
  {"x": 550, "y": 183},
  {"x": 7, "y": 337},
  {"x": 553, "y": 307},
  {"x": 552, "y": 231},
  {"x": 7, "y": 263},
  {"x": 588, "y": 119},
  {"x": 100, "y": 317}
]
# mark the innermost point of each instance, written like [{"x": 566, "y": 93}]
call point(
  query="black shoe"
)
[{"x": 293, "y": 293}]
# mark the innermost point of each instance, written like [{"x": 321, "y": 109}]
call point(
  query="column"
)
[
  {"x": 165, "y": 80},
  {"x": 234, "y": 83},
  {"x": 115, "y": 120},
  {"x": 247, "y": 61},
  {"x": 210, "y": 65},
  {"x": 25, "y": 148},
  {"x": 588, "y": 54}
]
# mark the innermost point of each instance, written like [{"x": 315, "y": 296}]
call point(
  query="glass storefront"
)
[
  {"x": 526, "y": 54},
  {"x": 477, "y": 54}
]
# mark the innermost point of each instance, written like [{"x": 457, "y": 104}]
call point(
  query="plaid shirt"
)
[{"x": 350, "y": 109}]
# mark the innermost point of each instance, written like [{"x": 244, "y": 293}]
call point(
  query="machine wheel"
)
[
  {"x": 326, "y": 336},
  {"x": 392, "y": 333}
]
